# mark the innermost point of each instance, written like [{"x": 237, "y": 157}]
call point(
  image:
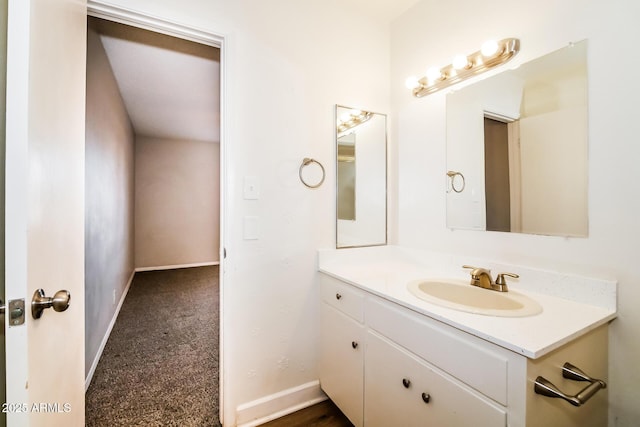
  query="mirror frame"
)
[{"x": 359, "y": 167}]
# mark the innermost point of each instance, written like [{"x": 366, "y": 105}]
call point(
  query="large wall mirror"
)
[
  {"x": 517, "y": 149},
  {"x": 361, "y": 165}
]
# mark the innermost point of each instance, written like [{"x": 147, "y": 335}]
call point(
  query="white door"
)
[{"x": 45, "y": 208}]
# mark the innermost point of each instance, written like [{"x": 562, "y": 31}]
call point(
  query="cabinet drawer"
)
[
  {"x": 451, "y": 350},
  {"x": 342, "y": 296},
  {"x": 402, "y": 390}
]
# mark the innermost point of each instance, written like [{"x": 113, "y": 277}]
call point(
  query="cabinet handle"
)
[
  {"x": 406, "y": 383},
  {"x": 546, "y": 388},
  {"x": 354, "y": 344},
  {"x": 426, "y": 398},
  {"x": 338, "y": 296}
]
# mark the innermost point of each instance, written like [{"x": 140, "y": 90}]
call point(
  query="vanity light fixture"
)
[
  {"x": 491, "y": 54},
  {"x": 352, "y": 119}
]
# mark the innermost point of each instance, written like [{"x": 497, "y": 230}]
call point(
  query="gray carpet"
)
[{"x": 160, "y": 365}]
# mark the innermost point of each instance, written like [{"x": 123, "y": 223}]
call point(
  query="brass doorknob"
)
[{"x": 59, "y": 302}]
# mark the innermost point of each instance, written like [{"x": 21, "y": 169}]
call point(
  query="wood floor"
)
[{"x": 323, "y": 414}]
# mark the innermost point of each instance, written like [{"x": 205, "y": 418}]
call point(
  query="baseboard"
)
[
  {"x": 173, "y": 267},
  {"x": 94, "y": 364},
  {"x": 279, "y": 404}
]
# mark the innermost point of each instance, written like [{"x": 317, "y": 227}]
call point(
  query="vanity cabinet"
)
[{"x": 384, "y": 364}]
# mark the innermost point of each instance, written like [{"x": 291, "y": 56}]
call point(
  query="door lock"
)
[
  {"x": 16, "y": 312},
  {"x": 59, "y": 302}
]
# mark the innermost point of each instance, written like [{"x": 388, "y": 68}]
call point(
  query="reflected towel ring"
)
[
  {"x": 452, "y": 175},
  {"x": 306, "y": 162}
]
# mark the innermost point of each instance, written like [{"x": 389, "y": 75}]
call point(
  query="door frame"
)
[
  {"x": 104, "y": 10},
  {"x": 16, "y": 175}
]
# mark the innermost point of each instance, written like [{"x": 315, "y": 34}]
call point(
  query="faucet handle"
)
[
  {"x": 470, "y": 267},
  {"x": 476, "y": 271},
  {"x": 500, "y": 280}
]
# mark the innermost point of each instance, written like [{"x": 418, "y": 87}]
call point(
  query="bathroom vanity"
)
[{"x": 389, "y": 358}]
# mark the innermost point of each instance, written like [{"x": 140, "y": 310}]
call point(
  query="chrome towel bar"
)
[{"x": 546, "y": 388}]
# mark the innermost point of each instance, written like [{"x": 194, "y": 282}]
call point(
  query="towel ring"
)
[
  {"x": 452, "y": 175},
  {"x": 306, "y": 162}
]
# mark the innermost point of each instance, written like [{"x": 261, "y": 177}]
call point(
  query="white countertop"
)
[{"x": 571, "y": 305}]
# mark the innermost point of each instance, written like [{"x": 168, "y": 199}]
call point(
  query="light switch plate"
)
[
  {"x": 251, "y": 189},
  {"x": 250, "y": 229}
]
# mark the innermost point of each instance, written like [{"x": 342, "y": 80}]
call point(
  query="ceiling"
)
[
  {"x": 384, "y": 10},
  {"x": 170, "y": 86}
]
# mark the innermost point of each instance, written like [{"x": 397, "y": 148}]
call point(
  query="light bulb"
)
[
  {"x": 459, "y": 62},
  {"x": 356, "y": 113},
  {"x": 433, "y": 74},
  {"x": 412, "y": 82},
  {"x": 345, "y": 117},
  {"x": 489, "y": 48}
]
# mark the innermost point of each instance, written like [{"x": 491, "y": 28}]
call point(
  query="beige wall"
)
[
  {"x": 557, "y": 140},
  {"x": 109, "y": 198},
  {"x": 177, "y": 202}
]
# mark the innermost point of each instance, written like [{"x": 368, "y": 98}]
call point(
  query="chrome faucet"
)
[{"x": 481, "y": 277}]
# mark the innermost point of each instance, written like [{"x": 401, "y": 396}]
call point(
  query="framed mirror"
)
[
  {"x": 517, "y": 149},
  {"x": 361, "y": 181}
]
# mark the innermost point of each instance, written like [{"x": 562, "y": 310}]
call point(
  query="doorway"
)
[
  {"x": 496, "y": 175},
  {"x": 502, "y": 173},
  {"x": 166, "y": 149}
]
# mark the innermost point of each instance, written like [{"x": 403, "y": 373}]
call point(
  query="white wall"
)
[
  {"x": 424, "y": 37},
  {"x": 177, "y": 202},
  {"x": 284, "y": 63},
  {"x": 109, "y": 257}
]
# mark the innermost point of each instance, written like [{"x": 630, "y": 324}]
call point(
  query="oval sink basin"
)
[{"x": 462, "y": 296}]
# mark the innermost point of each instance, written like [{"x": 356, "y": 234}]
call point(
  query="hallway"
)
[{"x": 160, "y": 364}]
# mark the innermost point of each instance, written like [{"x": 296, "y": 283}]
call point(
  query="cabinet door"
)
[
  {"x": 392, "y": 385},
  {"x": 341, "y": 362},
  {"x": 401, "y": 389}
]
